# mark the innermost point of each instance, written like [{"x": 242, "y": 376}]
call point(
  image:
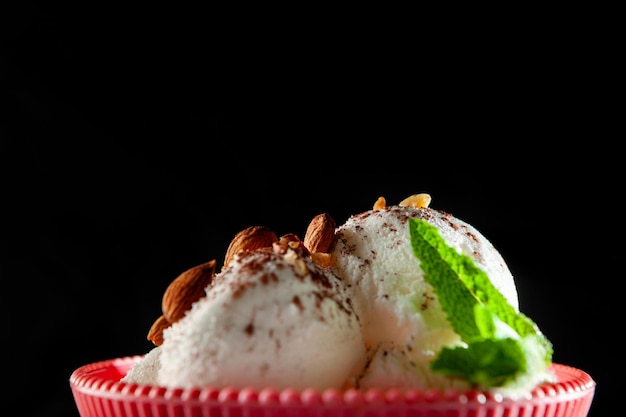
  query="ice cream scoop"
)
[
  {"x": 373, "y": 252},
  {"x": 270, "y": 318},
  {"x": 404, "y": 325}
]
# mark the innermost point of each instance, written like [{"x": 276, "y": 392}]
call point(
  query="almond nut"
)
[
  {"x": 155, "y": 335},
  {"x": 421, "y": 200},
  {"x": 186, "y": 289},
  {"x": 320, "y": 235},
  {"x": 251, "y": 238}
]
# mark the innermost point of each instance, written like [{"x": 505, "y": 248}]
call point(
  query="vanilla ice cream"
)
[
  {"x": 352, "y": 307},
  {"x": 373, "y": 252},
  {"x": 403, "y": 323},
  {"x": 269, "y": 319}
]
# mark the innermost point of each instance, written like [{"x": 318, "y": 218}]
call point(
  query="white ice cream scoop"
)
[
  {"x": 270, "y": 320},
  {"x": 399, "y": 310}
]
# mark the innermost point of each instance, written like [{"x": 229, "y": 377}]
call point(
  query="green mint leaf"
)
[
  {"x": 474, "y": 307},
  {"x": 484, "y": 321},
  {"x": 489, "y": 363}
]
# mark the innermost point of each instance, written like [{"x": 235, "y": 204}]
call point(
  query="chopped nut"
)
[
  {"x": 301, "y": 266},
  {"x": 416, "y": 200},
  {"x": 381, "y": 203},
  {"x": 323, "y": 260}
]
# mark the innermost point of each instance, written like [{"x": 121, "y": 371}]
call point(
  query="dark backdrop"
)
[{"x": 137, "y": 142}]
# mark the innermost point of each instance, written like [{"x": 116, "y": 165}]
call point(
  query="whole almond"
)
[
  {"x": 155, "y": 335},
  {"x": 251, "y": 238},
  {"x": 186, "y": 289},
  {"x": 320, "y": 235}
]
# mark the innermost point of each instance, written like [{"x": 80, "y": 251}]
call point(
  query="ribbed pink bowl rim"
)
[{"x": 98, "y": 392}]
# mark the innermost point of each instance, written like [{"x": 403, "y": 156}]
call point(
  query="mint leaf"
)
[
  {"x": 489, "y": 363},
  {"x": 474, "y": 308}
]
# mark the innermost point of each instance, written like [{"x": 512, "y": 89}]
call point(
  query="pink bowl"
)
[{"x": 98, "y": 392}]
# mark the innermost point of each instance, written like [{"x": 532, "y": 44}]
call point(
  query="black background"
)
[{"x": 138, "y": 141}]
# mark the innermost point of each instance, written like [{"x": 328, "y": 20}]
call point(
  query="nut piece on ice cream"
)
[{"x": 250, "y": 238}]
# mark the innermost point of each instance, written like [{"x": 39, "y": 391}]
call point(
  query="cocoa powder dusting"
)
[
  {"x": 240, "y": 289},
  {"x": 297, "y": 302},
  {"x": 320, "y": 278}
]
